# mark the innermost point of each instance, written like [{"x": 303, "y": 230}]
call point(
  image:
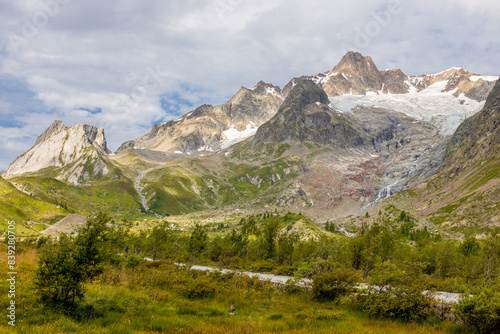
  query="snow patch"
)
[
  {"x": 270, "y": 90},
  {"x": 205, "y": 148},
  {"x": 484, "y": 77},
  {"x": 234, "y": 136}
]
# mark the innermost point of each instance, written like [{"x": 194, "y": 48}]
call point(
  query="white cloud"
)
[{"x": 124, "y": 57}]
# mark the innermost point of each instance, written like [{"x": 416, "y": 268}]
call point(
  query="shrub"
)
[
  {"x": 330, "y": 285},
  {"x": 481, "y": 312},
  {"x": 275, "y": 317},
  {"x": 404, "y": 303},
  {"x": 201, "y": 287},
  {"x": 132, "y": 261}
]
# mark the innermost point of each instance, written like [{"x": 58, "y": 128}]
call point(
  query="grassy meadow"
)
[{"x": 148, "y": 297}]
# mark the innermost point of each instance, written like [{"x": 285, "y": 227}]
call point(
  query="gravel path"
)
[{"x": 441, "y": 296}]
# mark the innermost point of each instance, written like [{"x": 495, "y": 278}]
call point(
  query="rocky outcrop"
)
[
  {"x": 306, "y": 116},
  {"x": 77, "y": 152}
]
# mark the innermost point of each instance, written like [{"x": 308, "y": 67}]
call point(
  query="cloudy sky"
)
[{"x": 125, "y": 65}]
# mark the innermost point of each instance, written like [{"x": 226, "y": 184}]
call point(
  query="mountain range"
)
[{"x": 333, "y": 145}]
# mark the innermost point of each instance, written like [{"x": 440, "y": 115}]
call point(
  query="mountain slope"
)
[
  {"x": 30, "y": 214},
  {"x": 69, "y": 166},
  {"x": 478, "y": 137},
  {"x": 463, "y": 195}
]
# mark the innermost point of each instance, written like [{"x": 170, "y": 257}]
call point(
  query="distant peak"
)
[
  {"x": 263, "y": 87},
  {"x": 453, "y": 70},
  {"x": 355, "y": 62}
]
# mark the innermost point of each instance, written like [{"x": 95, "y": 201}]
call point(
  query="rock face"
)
[
  {"x": 209, "y": 128},
  {"x": 78, "y": 152},
  {"x": 358, "y": 75},
  {"x": 306, "y": 117}
]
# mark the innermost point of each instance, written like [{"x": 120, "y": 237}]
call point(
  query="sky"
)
[{"x": 126, "y": 65}]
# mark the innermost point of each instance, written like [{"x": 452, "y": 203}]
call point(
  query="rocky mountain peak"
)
[
  {"x": 55, "y": 127},
  {"x": 304, "y": 93},
  {"x": 305, "y": 116},
  {"x": 70, "y": 148},
  {"x": 354, "y": 63},
  {"x": 356, "y": 74}
]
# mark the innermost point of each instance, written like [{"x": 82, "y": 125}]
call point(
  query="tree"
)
[
  {"x": 374, "y": 244},
  {"x": 490, "y": 255},
  {"x": 269, "y": 237},
  {"x": 64, "y": 267},
  {"x": 198, "y": 239},
  {"x": 286, "y": 242},
  {"x": 400, "y": 292},
  {"x": 157, "y": 240}
]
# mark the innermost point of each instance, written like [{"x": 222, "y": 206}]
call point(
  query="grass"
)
[
  {"x": 20, "y": 207},
  {"x": 150, "y": 298},
  {"x": 112, "y": 195}
]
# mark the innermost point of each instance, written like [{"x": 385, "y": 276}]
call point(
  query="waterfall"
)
[
  {"x": 383, "y": 193},
  {"x": 386, "y": 191}
]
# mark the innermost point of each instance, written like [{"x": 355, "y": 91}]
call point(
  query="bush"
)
[
  {"x": 132, "y": 261},
  {"x": 481, "y": 312},
  {"x": 404, "y": 303},
  {"x": 331, "y": 285},
  {"x": 201, "y": 287}
]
